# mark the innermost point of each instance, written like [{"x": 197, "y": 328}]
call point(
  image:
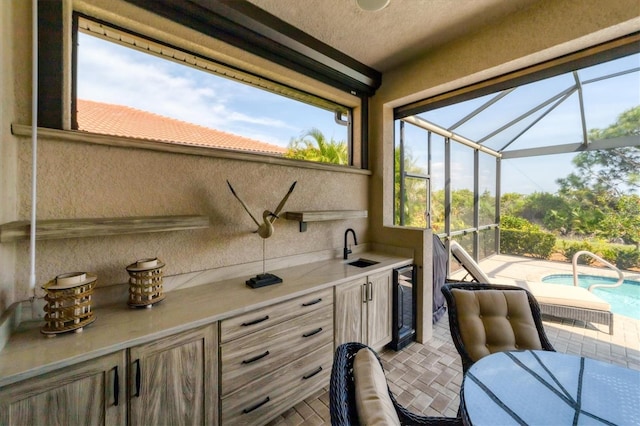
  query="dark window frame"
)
[
  {"x": 51, "y": 93},
  {"x": 607, "y": 51}
]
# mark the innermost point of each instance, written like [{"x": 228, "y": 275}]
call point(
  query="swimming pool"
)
[{"x": 624, "y": 300}]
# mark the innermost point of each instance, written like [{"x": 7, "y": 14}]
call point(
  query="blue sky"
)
[
  {"x": 113, "y": 74},
  {"x": 604, "y": 101},
  {"x": 110, "y": 73}
]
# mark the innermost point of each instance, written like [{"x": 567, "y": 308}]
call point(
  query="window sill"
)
[{"x": 162, "y": 146}]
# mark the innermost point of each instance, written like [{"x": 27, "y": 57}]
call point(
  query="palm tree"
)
[{"x": 314, "y": 146}]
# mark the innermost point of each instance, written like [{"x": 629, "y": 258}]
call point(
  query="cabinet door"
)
[
  {"x": 379, "y": 309},
  {"x": 350, "y": 312},
  {"x": 89, "y": 393},
  {"x": 173, "y": 380}
]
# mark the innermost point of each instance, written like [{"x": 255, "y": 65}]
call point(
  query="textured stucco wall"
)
[
  {"x": 78, "y": 180},
  {"x": 6, "y": 253},
  {"x": 12, "y": 37},
  {"x": 546, "y": 30}
]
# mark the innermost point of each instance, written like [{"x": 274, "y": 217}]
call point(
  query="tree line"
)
[{"x": 598, "y": 200}]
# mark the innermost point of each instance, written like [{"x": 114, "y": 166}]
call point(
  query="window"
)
[
  {"x": 412, "y": 179},
  {"x": 131, "y": 86},
  {"x": 480, "y": 143}
]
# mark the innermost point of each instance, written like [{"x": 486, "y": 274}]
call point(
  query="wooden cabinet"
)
[
  {"x": 351, "y": 312},
  {"x": 174, "y": 380},
  {"x": 380, "y": 309},
  {"x": 170, "y": 381},
  {"x": 89, "y": 393},
  {"x": 363, "y": 310},
  {"x": 273, "y": 358},
  {"x": 245, "y": 369}
]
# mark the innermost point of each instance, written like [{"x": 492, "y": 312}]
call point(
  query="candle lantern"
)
[
  {"x": 68, "y": 306},
  {"x": 145, "y": 282}
]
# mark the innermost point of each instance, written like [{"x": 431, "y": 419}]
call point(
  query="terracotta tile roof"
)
[{"x": 119, "y": 120}]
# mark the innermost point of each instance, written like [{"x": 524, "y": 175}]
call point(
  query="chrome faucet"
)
[{"x": 347, "y": 251}]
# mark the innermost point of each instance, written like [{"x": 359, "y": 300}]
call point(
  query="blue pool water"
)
[{"x": 624, "y": 300}]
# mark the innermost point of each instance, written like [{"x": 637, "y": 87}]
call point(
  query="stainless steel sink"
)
[{"x": 362, "y": 263}]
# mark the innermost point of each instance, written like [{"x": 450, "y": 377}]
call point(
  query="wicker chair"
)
[
  {"x": 524, "y": 338},
  {"x": 342, "y": 405}
]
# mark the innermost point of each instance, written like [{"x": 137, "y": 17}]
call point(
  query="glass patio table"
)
[{"x": 549, "y": 388}]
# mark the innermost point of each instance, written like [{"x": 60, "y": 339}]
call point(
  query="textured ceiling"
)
[{"x": 388, "y": 37}]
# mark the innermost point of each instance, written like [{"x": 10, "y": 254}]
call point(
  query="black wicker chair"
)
[
  {"x": 342, "y": 405},
  {"x": 454, "y": 324}
]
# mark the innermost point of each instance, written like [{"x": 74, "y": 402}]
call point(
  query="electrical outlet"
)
[{"x": 37, "y": 308}]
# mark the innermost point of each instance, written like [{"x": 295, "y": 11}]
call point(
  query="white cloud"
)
[{"x": 108, "y": 73}]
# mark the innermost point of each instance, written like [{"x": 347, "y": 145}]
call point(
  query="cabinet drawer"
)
[
  {"x": 259, "y": 319},
  {"x": 249, "y": 357},
  {"x": 268, "y": 396}
]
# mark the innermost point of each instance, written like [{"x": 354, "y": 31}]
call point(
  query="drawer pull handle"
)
[
  {"x": 254, "y": 322},
  {"x": 116, "y": 386},
  {"x": 311, "y": 333},
  {"x": 313, "y": 302},
  {"x": 255, "y": 358},
  {"x": 138, "y": 378},
  {"x": 310, "y": 375},
  {"x": 255, "y": 407}
]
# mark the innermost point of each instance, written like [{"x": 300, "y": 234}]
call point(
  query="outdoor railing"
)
[{"x": 574, "y": 262}]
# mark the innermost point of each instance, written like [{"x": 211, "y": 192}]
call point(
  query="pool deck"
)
[{"x": 518, "y": 268}]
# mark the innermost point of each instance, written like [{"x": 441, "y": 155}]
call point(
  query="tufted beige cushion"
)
[
  {"x": 372, "y": 396},
  {"x": 494, "y": 321}
]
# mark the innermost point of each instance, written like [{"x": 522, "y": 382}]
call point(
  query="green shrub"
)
[
  {"x": 532, "y": 243},
  {"x": 624, "y": 257},
  {"x": 608, "y": 253},
  {"x": 571, "y": 248},
  {"x": 520, "y": 237},
  {"x": 514, "y": 222},
  {"x": 628, "y": 258}
]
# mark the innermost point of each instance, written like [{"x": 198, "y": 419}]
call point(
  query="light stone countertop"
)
[{"x": 29, "y": 353}]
